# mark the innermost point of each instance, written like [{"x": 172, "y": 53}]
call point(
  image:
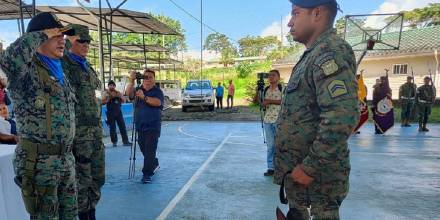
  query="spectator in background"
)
[
  {"x": 219, "y": 95},
  {"x": 272, "y": 105},
  {"x": 4, "y": 98},
  {"x": 114, "y": 99},
  {"x": 8, "y": 131},
  {"x": 231, "y": 92}
]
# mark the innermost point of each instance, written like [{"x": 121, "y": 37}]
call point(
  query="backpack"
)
[{"x": 280, "y": 88}]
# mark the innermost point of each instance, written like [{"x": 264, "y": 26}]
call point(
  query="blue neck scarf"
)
[
  {"x": 80, "y": 60},
  {"x": 56, "y": 70}
]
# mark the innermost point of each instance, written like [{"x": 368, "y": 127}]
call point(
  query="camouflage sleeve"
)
[
  {"x": 336, "y": 94},
  {"x": 16, "y": 58}
]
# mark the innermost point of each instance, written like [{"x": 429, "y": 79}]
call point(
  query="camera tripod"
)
[
  {"x": 134, "y": 136},
  {"x": 260, "y": 92}
]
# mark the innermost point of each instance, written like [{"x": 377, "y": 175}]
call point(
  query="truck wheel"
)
[
  {"x": 211, "y": 108},
  {"x": 184, "y": 109}
]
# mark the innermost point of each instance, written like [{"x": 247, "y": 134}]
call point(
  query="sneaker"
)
[
  {"x": 269, "y": 173},
  {"x": 146, "y": 179},
  {"x": 127, "y": 144},
  {"x": 115, "y": 144}
]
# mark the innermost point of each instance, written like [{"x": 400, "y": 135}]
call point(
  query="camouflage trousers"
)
[
  {"x": 407, "y": 107},
  {"x": 90, "y": 166},
  {"x": 53, "y": 193},
  {"x": 323, "y": 197},
  {"x": 424, "y": 112}
]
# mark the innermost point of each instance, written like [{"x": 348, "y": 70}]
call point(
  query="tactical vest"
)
[
  {"x": 88, "y": 109},
  {"x": 45, "y": 109}
]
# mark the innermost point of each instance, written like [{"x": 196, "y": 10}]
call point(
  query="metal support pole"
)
[
  {"x": 101, "y": 45},
  {"x": 34, "y": 11},
  {"x": 19, "y": 27},
  {"x": 110, "y": 37},
  {"x": 99, "y": 22},
  {"x": 145, "y": 50},
  {"x": 160, "y": 63},
  {"x": 21, "y": 18}
]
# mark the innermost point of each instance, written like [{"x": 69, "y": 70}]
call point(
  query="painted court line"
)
[
  {"x": 191, "y": 181},
  {"x": 180, "y": 129}
]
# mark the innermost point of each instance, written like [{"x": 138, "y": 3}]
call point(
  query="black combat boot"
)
[
  {"x": 83, "y": 216},
  {"x": 92, "y": 214},
  {"x": 424, "y": 129}
]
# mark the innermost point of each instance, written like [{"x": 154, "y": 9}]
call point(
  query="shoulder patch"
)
[
  {"x": 337, "y": 88},
  {"x": 329, "y": 67}
]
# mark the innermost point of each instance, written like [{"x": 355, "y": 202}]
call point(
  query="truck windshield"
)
[{"x": 198, "y": 85}]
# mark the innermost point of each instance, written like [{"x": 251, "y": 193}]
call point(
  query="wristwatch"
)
[{"x": 146, "y": 99}]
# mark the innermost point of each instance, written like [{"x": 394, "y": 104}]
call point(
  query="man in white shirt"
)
[{"x": 272, "y": 104}]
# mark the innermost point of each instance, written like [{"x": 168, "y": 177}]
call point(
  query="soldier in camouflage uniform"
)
[
  {"x": 44, "y": 106},
  {"x": 407, "y": 96},
  {"x": 318, "y": 113},
  {"x": 425, "y": 98},
  {"x": 88, "y": 147}
]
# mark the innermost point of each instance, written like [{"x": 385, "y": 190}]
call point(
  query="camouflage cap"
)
[{"x": 81, "y": 31}]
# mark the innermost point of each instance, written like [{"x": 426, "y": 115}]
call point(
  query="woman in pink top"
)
[{"x": 231, "y": 91}]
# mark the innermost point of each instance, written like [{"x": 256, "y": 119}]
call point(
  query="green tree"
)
[
  {"x": 257, "y": 46},
  {"x": 221, "y": 44},
  {"x": 422, "y": 17},
  {"x": 340, "y": 26},
  {"x": 244, "y": 69}
]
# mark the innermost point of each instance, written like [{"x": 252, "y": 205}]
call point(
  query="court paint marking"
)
[
  {"x": 172, "y": 204},
  {"x": 180, "y": 129}
]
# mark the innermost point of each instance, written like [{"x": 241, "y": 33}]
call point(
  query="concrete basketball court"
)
[{"x": 214, "y": 170}]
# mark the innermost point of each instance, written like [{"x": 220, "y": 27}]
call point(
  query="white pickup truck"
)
[{"x": 198, "y": 93}]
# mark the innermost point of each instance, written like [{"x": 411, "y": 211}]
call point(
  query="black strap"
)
[
  {"x": 283, "y": 198},
  {"x": 280, "y": 88}
]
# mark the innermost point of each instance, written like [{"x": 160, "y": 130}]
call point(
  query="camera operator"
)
[
  {"x": 114, "y": 100},
  {"x": 148, "y": 107},
  {"x": 272, "y": 103}
]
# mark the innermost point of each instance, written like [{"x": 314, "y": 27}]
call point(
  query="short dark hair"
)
[
  {"x": 111, "y": 82},
  {"x": 275, "y": 71},
  {"x": 148, "y": 70},
  {"x": 332, "y": 8}
]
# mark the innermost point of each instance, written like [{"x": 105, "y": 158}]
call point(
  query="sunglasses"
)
[{"x": 82, "y": 41}]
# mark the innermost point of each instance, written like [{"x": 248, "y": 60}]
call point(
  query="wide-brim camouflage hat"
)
[
  {"x": 81, "y": 31},
  {"x": 47, "y": 20}
]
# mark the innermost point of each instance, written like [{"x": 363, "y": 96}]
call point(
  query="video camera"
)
[
  {"x": 139, "y": 78},
  {"x": 260, "y": 82}
]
